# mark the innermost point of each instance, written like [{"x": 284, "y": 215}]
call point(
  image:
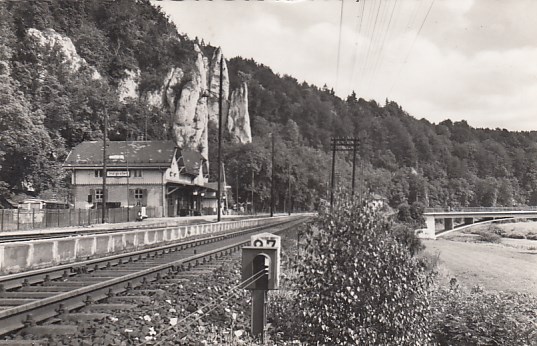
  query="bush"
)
[
  {"x": 515, "y": 235},
  {"x": 411, "y": 214},
  {"x": 358, "y": 284},
  {"x": 475, "y": 317},
  {"x": 495, "y": 229},
  {"x": 489, "y": 237},
  {"x": 406, "y": 236},
  {"x": 531, "y": 236}
]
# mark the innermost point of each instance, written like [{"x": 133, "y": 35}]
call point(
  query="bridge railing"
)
[{"x": 479, "y": 209}]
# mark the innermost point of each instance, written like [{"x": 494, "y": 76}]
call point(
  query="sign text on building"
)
[{"x": 117, "y": 173}]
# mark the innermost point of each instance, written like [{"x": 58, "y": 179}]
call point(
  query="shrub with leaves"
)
[
  {"x": 358, "y": 284},
  {"x": 489, "y": 237},
  {"x": 407, "y": 236},
  {"x": 491, "y": 234},
  {"x": 495, "y": 229},
  {"x": 515, "y": 235},
  {"x": 478, "y": 317},
  {"x": 531, "y": 236}
]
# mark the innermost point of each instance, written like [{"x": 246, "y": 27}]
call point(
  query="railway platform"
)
[
  {"x": 68, "y": 246},
  {"x": 109, "y": 227}
]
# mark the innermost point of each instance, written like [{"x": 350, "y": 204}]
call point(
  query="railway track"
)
[{"x": 32, "y": 297}]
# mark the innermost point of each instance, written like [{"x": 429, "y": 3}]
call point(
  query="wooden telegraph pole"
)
[
  {"x": 343, "y": 144},
  {"x": 272, "y": 179},
  {"x": 332, "y": 180},
  {"x": 105, "y": 136},
  {"x": 219, "y": 185},
  {"x": 253, "y": 208},
  {"x": 289, "y": 188},
  {"x": 353, "y": 167}
]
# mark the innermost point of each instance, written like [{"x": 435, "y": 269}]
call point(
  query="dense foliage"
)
[
  {"x": 357, "y": 284},
  {"x": 477, "y": 317},
  {"x": 401, "y": 158}
]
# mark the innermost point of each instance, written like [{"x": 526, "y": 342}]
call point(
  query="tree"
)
[{"x": 27, "y": 150}]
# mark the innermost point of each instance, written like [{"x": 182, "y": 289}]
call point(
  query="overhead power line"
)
[
  {"x": 411, "y": 46},
  {"x": 358, "y": 30},
  {"x": 372, "y": 39},
  {"x": 339, "y": 44},
  {"x": 386, "y": 34},
  {"x": 376, "y": 22}
]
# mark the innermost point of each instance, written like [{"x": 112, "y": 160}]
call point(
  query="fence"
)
[{"x": 19, "y": 219}]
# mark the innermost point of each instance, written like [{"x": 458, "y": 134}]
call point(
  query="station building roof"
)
[{"x": 133, "y": 154}]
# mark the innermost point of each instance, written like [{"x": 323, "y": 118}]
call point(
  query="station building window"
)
[
  {"x": 138, "y": 196},
  {"x": 98, "y": 195}
]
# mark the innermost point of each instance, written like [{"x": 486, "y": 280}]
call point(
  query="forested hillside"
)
[
  {"x": 54, "y": 97},
  {"x": 402, "y": 158}
]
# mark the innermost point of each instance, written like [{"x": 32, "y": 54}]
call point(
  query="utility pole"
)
[
  {"x": 289, "y": 188},
  {"x": 361, "y": 181},
  {"x": 342, "y": 144},
  {"x": 333, "y": 171},
  {"x": 224, "y": 180},
  {"x": 353, "y": 168},
  {"x": 272, "y": 180},
  {"x": 128, "y": 172},
  {"x": 253, "y": 210},
  {"x": 105, "y": 135},
  {"x": 219, "y": 192}
]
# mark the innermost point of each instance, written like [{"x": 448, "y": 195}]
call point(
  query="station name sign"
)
[{"x": 117, "y": 173}]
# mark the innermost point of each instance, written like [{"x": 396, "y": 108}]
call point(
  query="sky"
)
[{"x": 473, "y": 60}]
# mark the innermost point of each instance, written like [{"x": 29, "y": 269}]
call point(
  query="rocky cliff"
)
[
  {"x": 50, "y": 42},
  {"x": 192, "y": 99},
  {"x": 238, "y": 120},
  {"x": 189, "y": 92},
  {"x": 214, "y": 85}
]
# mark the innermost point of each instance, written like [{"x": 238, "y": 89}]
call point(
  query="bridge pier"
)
[
  {"x": 430, "y": 231},
  {"x": 448, "y": 224}
]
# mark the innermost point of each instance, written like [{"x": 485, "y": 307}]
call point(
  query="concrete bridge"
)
[{"x": 470, "y": 216}]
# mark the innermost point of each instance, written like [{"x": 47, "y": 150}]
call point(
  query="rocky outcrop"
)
[
  {"x": 190, "y": 95},
  {"x": 189, "y": 106},
  {"x": 172, "y": 84},
  {"x": 238, "y": 120},
  {"x": 52, "y": 42},
  {"x": 128, "y": 86},
  {"x": 214, "y": 86}
]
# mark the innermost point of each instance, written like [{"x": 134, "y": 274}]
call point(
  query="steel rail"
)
[
  {"x": 18, "y": 317},
  {"x": 32, "y": 277}
]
